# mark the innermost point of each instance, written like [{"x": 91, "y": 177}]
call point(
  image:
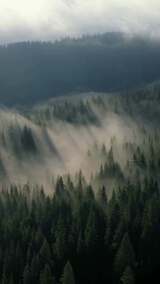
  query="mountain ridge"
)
[{"x": 35, "y": 72}]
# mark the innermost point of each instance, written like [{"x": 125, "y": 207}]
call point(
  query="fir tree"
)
[
  {"x": 27, "y": 276},
  {"x": 128, "y": 276},
  {"x": 125, "y": 255},
  {"x": 46, "y": 276},
  {"x": 68, "y": 275}
]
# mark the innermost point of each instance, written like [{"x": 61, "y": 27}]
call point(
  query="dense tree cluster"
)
[
  {"x": 78, "y": 236},
  {"x": 102, "y": 229},
  {"x": 79, "y": 112},
  {"x": 21, "y": 139}
]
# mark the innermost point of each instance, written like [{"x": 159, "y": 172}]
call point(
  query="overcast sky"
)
[{"x": 50, "y": 19}]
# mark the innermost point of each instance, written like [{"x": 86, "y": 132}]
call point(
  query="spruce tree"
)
[
  {"x": 68, "y": 274},
  {"x": 27, "y": 275},
  {"x": 125, "y": 255},
  {"x": 45, "y": 254},
  {"x": 102, "y": 197},
  {"x": 128, "y": 276},
  {"x": 46, "y": 276},
  {"x": 91, "y": 231}
]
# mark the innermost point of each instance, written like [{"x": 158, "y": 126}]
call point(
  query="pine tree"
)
[
  {"x": 101, "y": 172},
  {"x": 89, "y": 193},
  {"x": 125, "y": 255},
  {"x": 68, "y": 275},
  {"x": 112, "y": 218},
  {"x": 27, "y": 275},
  {"x": 102, "y": 197},
  {"x": 46, "y": 276},
  {"x": 45, "y": 254},
  {"x": 60, "y": 246},
  {"x": 103, "y": 151},
  {"x": 128, "y": 276},
  {"x": 35, "y": 268},
  {"x": 59, "y": 190},
  {"x": 27, "y": 140},
  {"x": 91, "y": 231},
  {"x": 110, "y": 157}
]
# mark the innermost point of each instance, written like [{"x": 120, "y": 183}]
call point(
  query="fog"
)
[
  {"x": 53, "y": 19},
  {"x": 62, "y": 147}
]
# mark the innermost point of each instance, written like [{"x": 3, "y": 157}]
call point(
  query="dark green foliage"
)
[
  {"x": 125, "y": 255},
  {"x": 115, "y": 240},
  {"x": 102, "y": 197},
  {"x": 27, "y": 140},
  {"x": 27, "y": 275},
  {"x": 45, "y": 254},
  {"x": 68, "y": 275},
  {"x": 46, "y": 276},
  {"x": 78, "y": 113},
  {"x": 111, "y": 168},
  {"x": 128, "y": 276},
  {"x": 90, "y": 233},
  {"x": 31, "y": 72},
  {"x": 2, "y": 169}
]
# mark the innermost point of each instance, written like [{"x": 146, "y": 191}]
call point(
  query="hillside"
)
[
  {"x": 80, "y": 189},
  {"x": 34, "y": 72},
  {"x": 70, "y": 134}
]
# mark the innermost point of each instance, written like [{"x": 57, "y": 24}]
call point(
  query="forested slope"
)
[
  {"x": 80, "y": 190},
  {"x": 33, "y": 72},
  {"x": 77, "y": 236},
  {"x": 69, "y": 134}
]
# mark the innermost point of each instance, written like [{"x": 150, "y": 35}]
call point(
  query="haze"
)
[{"x": 51, "y": 19}]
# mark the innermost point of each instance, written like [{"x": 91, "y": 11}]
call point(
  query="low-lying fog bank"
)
[{"x": 65, "y": 136}]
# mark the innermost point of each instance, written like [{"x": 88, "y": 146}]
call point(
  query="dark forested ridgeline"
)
[
  {"x": 31, "y": 72},
  {"x": 77, "y": 236}
]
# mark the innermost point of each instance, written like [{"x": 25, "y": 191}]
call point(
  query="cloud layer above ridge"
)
[{"x": 51, "y": 19}]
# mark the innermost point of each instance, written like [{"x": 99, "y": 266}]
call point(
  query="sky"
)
[{"x": 22, "y": 20}]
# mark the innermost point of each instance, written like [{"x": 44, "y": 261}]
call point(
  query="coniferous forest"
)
[
  {"x": 32, "y": 72},
  {"x": 95, "y": 216},
  {"x": 79, "y": 142}
]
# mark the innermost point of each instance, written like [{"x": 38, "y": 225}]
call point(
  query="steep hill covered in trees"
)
[
  {"x": 109, "y": 137},
  {"x": 80, "y": 190}
]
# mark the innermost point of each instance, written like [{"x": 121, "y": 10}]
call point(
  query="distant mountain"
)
[{"x": 33, "y": 72}]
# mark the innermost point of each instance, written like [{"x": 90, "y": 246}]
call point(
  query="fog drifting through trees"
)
[{"x": 64, "y": 136}]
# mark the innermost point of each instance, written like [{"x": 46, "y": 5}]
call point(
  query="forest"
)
[
  {"x": 78, "y": 236},
  {"x": 32, "y": 72},
  {"x": 79, "y": 142},
  {"x": 82, "y": 204}
]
